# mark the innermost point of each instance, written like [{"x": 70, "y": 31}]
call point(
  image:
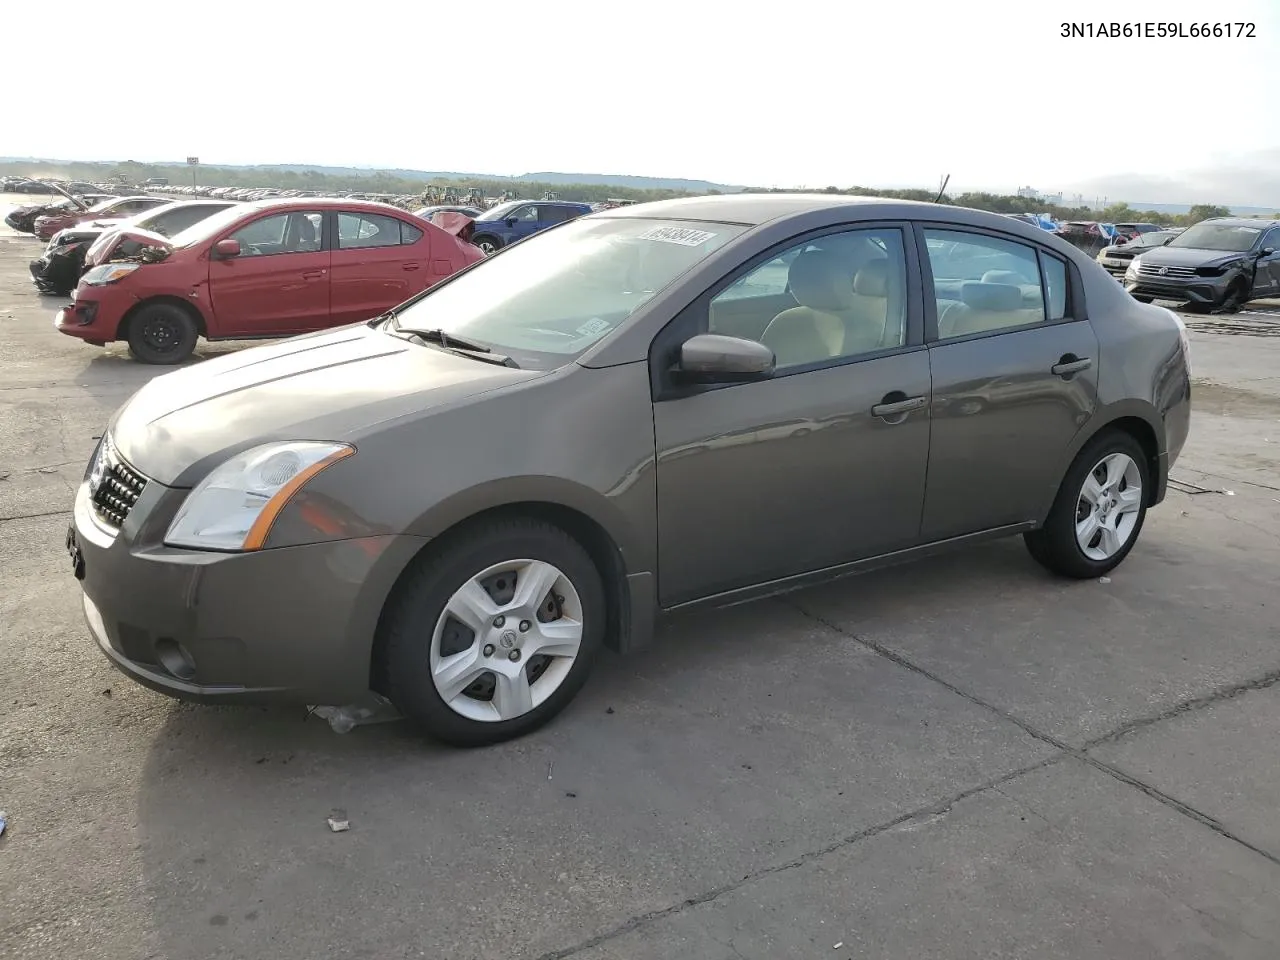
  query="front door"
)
[
  {"x": 1266, "y": 278},
  {"x": 378, "y": 262},
  {"x": 1015, "y": 377},
  {"x": 278, "y": 285},
  {"x": 821, "y": 464}
]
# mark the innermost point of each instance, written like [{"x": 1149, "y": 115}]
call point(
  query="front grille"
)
[
  {"x": 117, "y": 489},
  {"x": 1157, "y": 270}
]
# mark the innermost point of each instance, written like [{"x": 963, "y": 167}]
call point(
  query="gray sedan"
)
[{"x": 656, "y": 407}]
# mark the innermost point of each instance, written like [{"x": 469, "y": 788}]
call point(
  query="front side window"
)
[
  {"x": 983, "y": 283},
  {"x": 280, "y": 233},
  {"x": 834, "y": 297},
  {"x": 527, "y": 214},
  {"x": 546, "y": 300}
]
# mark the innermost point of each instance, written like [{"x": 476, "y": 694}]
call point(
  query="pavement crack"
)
[
  {"x": 1221, "y": 695},
  {"x": 33, "y": 516},
  {"x": 906, "y": 664},
  {"x": 910, "y": 820},
  {"x": 1155, "y": 793}
]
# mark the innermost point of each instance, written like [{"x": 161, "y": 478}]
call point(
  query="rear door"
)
[
  {"x": 279, "y": 284},
  {"x": 1015, "y": 375},
  {"x": 378, "y": 261}
]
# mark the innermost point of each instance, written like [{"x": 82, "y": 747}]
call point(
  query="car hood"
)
[
  {"x": 110, "y": 239},
  {"x": 334, "y": 385},
  {"x": 1189, "y": 257}
]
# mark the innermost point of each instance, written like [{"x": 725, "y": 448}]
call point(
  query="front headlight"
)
[
  {"x": 234, "y": 507},
  {"x": 1131, "y": 272},
  {"x": 108, "y": 273}
]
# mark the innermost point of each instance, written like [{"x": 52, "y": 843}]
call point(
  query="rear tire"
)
[
  {"x": 1099, "y": 511},
  {"x": 457, "y": 653},
  {"x": 162, "y": 333}
]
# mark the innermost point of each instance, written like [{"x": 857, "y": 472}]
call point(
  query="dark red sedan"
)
[
  {"x": 118, "y": 208},
  {"x": 272, "y": 268}
]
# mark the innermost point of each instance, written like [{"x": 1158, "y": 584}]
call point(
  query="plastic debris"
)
[
  {"x": 3, "y": 823},
  {"x": 1104, "y": 579},
  {"x": 550, "y": 767},
  {"x": 372, "y": 709},
  {"x": 338, "y": 821},
  {"x": 838, "y": 945}
]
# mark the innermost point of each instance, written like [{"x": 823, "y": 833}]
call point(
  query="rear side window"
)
[
  {"x": 1055, "y": 285},
  {"x": 361, "y": 231},
  {"x": 409, "y": 233},
  {"x": 983, "y": 284}
]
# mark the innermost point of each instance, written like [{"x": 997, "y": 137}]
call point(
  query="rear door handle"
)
[
  {"x": 1066, "y": 367},
  {"x": 313, "y": 274},
  {"x": 411, "y": 266},
  {"x": 896, "y": 407}
]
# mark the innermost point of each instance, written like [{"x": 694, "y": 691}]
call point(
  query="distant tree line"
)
[{"x": 383, "y": 182}]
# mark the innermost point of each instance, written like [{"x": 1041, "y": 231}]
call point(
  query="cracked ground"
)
[{"x": 964, "y": 758}]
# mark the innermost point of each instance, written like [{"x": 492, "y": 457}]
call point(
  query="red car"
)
[
  {"x": 272, "y": 268},
  {"x": 117, "y": 208}
]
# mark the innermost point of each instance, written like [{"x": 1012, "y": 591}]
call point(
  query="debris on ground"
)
[
  {"x": 372, "y": 709},
  {"x": 1104, "y": 579},
  {"x": 838, "y": 945},
  {"x": 338, "y": 821},
  {"x": 3, "y": 823},
  {"x": 550, "y": 766}
]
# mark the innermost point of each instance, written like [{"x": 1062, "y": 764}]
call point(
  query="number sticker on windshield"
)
[
  {"x": 593, "y": 326},
  {"x": 680, "y": 235}
]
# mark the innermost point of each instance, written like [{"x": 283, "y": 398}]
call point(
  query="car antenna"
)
[{"x": 943, "y": 188}]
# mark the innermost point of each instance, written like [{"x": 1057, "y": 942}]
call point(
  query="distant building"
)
[{"x": 1031, "y": 193}]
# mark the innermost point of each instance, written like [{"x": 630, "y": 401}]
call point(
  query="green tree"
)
[{"x": 1205, "y": 211}]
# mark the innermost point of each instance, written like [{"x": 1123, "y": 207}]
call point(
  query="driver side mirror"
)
[
  {"x": 226, "y": 249},
  {"x": 1268, "y": 251},
  {"x": 511, "y": 221},
  {"x": 713, "y": 358}
]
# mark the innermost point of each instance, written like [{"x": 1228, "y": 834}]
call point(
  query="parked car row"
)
[{"x": 270, "y": 193}]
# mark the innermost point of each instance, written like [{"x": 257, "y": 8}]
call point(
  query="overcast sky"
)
[{"x": 800, "y": 93}]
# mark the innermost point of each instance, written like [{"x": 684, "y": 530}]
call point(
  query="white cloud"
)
[{"x": 804, "y": 93}]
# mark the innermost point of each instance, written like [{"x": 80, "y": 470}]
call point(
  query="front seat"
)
[
  {"x": 815, "y": 329},
  {"x": 305, "y": 239}
]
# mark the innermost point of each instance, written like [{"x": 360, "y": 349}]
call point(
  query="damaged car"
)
[
  {"x": 115, "y": 208},
  {"x": 58, "y": 269},
  {"x": 23, "y": 219},
  {"x": 261, "y": 270},
  {"x": 1218, "y": 265}
]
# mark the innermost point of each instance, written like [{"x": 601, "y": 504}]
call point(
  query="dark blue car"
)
[{"x": 516, "y": 219}]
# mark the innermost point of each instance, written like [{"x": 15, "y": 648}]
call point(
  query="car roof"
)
[
  {"x": 284, "y": 203},
  {"x": 1261, "y": 222},
  {"x": 753, "y": 209}
]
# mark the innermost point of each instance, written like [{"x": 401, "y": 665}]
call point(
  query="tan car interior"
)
[{"x": 996, "y": 301}]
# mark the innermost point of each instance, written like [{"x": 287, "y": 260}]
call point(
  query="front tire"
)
[
  {"x": 493, "y": 634},
  {"x": 162, "y": 333},
  {"x": 488, "y": 244},
  {"x": 1099, "y": 511},
  {"x": 1140, "y": 298}
]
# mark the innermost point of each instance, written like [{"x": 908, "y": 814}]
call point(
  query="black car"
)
[
  {"x": 1117, "y": 257},
  {"x": 1217, "y": 265}
]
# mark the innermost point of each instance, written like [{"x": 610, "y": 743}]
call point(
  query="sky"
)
[{"x": 801, "y": 94}]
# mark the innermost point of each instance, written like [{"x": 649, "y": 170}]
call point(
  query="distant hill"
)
[{"x": 1186, "y": 207}]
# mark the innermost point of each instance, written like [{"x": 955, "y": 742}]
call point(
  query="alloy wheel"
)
[{"x": 1108, "y": 507}]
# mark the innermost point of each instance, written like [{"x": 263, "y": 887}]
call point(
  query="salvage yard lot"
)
[{"x": 961, "y": 758}]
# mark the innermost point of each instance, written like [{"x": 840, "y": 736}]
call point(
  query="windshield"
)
[
  {"x": 547, "y": 299},
  {"x": 500, "y": 211},
  {"x": 1228, "y": 237},
  {"x": 208, "y": 226}
]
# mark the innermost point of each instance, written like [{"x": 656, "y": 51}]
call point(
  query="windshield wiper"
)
[
  {"x": 383, "y": 318},
  {"x": 446, "y": 339},
  {"x": 461, "y": 347}
]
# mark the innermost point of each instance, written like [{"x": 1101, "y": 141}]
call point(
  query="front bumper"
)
[
  {"x": 96, "y": 317},
  {"x": 283, "y": 625},
  {"x": 1208, "y": 290},
  {"x": 1114, "y": 265}
]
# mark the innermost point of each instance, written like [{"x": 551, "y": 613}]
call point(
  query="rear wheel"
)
[
  {"x": 492, "y": 636},
  {"x": 1099, "y": 510},
  {"x": 162, "y": 333}
]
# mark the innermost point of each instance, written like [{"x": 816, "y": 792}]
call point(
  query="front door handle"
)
[
  {"x": 1070, "y": 364},
  {"x": 895, "y": 408},
  {"x": 313, "y": 274}
]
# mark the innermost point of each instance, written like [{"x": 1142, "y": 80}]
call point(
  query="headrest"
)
[
  {"x": 873, "y": 279},
  {"x": 997, "y": 297},
  {"x": 819, "y": 281},
  {"x": 1004, "y": 276}
]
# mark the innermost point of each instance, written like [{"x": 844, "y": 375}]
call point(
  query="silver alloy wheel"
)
[
  {"x": 1108, "y": 508},
  {"x": 523, "y": 619},
  {"x": 487, "y": 246}
]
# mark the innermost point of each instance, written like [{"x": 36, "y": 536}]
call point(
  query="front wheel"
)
[
  {"x": 162, "y": 333},
  {"x": 1140, "y": 299},
  {"x": 487, "y": 243},
  {"x": 1234, "y": 298},
  {"x": 491, "y": 636},
  {"x": 1099, "y": 510}
]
